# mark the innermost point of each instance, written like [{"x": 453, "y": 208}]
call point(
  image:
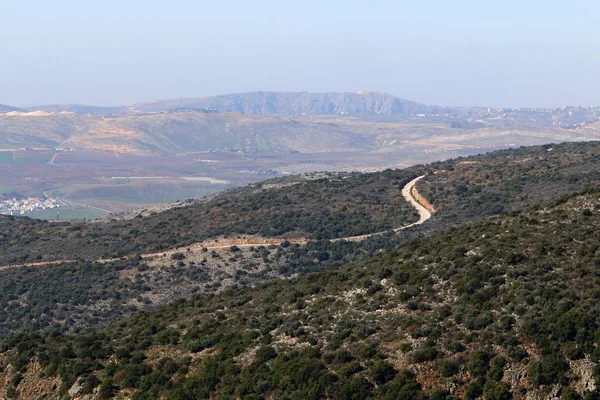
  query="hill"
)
[
  {"x": 245, "y": 236},
  {"x": 201, "y": 131},
  {"x": 176, "y": 133},
  {"x": 322, "y": 206},
  {"x": 502, "y": 308},
  {"x": 312, "y": 206},
  {"x": 97, "y": 272},
  {"x": 294, "y": 103},
  {"x": 493, "y": 296},
  {"x": 367, "y": 121}
]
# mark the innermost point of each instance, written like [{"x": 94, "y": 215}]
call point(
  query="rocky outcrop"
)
[{"x": 584, "y": 369}]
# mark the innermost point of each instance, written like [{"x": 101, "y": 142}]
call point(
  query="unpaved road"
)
[
  {"x": 35, "y": 264},
  {"x": 407, "y": 193}
]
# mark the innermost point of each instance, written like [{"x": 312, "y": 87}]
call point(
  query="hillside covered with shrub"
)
[
  {"x": 502, "y": 308},
  {"x": 322, "y": 207},
  {"x": 495, "y": 296}
]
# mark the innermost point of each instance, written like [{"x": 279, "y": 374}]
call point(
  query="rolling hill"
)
[
  {"x": 322, "y": 206},
  {"x": 175, "y": 133},
  {"x": 196, "y": 131},
  {"x": 366, "y": 121},
  {"x": 494, "y": 297}
]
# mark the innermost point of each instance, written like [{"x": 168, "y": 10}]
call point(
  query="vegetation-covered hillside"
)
[
  {"x": 79, "y": 296},
  {"x": 86, "y": 291},
  {"x": 101, "y": 275},
  {"x": 503, "y": 308},
  {"x": 331, "y": 206},
  {"x": 470, "y": 188},
  {"x": 494, "y": 297}
]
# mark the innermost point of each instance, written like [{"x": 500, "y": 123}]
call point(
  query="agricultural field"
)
[
  {"x": 69, "y": 213},
  {"x": 10, "y": 188},
  {"x": 33, "y": 156},
  {"x": 26, "y": 157},
  {"x": 6, "y": 157}
]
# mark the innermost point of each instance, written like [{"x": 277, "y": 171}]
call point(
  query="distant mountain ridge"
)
[
  {"x": 201, "y": 130},
  {"x": 365, "y": 102},
  {"x": 294, "y": 103},
  {"x": 5, "y": 108},
  {"x": 361, "y": 103}
]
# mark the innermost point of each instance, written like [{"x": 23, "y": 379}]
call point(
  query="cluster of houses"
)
[{"x": 16, "y": 206}]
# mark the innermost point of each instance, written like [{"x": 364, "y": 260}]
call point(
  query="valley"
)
[{"x": 108, "y": 182}]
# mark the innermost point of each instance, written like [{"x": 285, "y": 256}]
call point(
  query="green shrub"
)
[
  {"x": 448, "y": 368},
  {"x": 382, "y": 372},
  {"x": 424, "y": 354}
]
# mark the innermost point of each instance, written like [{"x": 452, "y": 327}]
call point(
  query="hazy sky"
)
[{"x": 506, "y": 53}]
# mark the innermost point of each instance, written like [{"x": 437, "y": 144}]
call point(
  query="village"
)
[{"x": 23, "y": 206}]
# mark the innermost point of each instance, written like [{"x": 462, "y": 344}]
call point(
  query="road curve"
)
[
  {"x": 424, "y": 214},
  {"x": 407, "y": 193}
]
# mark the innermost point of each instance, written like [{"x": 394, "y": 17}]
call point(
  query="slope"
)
[
  {"x": 313, "y": 206},
  {"x": 210, "y": 130},
  {"x": 279, "y": 228},
  {"x": 503, "y": 308},
  {"x": 322, "y": 206},
  {"x": 177, "y": 132}
]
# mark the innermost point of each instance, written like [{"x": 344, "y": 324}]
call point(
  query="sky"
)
[{"x": 525, "y": 53}]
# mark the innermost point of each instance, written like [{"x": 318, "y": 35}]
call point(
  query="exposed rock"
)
[
  {"x": 76, "y": 389},
  {"x": 516, "y": 375},
  {"x": 585, "y": 371}
]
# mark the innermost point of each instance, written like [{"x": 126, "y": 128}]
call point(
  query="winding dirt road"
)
[{"x": 408, "y": 192}]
